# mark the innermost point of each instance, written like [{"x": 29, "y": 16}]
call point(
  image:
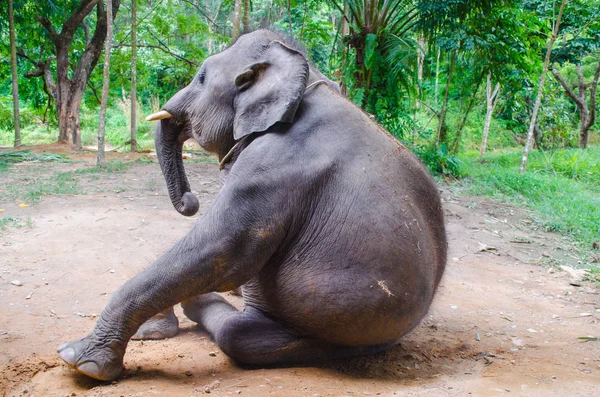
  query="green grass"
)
[
  {"x": 32, "y": 190},
  {"x": 561, "y": 187},
  {"x": 8, "y": 221},
  {"x": 112, "y": 167},
  {"x": 9, "y": 158}
]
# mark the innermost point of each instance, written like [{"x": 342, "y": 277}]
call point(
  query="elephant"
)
[{"x": 332, "y": 227}]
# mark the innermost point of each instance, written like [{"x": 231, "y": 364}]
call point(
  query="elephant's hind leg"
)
[
  {"x": 161, "y": 326},
  {"x": 251, "y": 338}
]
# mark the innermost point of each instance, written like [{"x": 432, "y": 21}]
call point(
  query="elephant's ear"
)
[{"x": 270, "y": 90}]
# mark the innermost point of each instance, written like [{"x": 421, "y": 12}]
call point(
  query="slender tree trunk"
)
[
  {"x": 463, "y": 121},
  {"x": 235, "y": 30},
  {"x": 491, "y": 102},
  {"x": 246, "y": 17},
  {"x": 420, "y": 62},
  {"x": 106, "y": 75},
  {"x": 13, "y": 65},
  {"x": 133, "y": 98},
  {"x": 437, "y": 78},
  {"x": 538, "y": 99},
  {"x": 289, "y": 12},
  {"x": 442, "y": 131}
]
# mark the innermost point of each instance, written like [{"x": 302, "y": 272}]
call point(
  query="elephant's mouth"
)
[{"x": 181, "y": 122}]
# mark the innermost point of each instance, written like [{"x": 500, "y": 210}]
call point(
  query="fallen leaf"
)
[
  {"x": 23, "y": 205},
  {"x": 2, "y": 209}
]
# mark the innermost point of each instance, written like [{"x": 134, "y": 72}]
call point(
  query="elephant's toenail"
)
[
  {"x": 90, "y": 369},
  {"x": 67, "y": 354}
]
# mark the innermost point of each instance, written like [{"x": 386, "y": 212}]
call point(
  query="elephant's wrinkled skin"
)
[{"x": 333, "y": 228}]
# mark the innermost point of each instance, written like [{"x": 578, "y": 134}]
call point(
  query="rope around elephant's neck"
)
[
  {"x": 226, "y": 158},
  {"x": 311, "y": 85}
]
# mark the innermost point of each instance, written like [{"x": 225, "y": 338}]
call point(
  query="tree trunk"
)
[
  {"x": 442, "y": 131},
  {"x": 289, "y": 12},
  {"x": 106, "y": 76},
  {"x": 538, "y": 99},
  {"x": 70, "y": 86},
  {"x": 437, "y": 78},
  {"x": 13, "y": 65},
  {"x": 491, "y": 101},
  {"x": 587, "y": 114},
  {"x": 246, "y": 17},
  {"x": 133, "y": 98},
  {"x": 420, "y": 62},
  {"x": 235, "y": 30},
  {"x": 463, "y": 121}
]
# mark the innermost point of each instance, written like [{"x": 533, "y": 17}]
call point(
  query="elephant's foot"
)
[
  {"x": 162, "y": 326},
  {"x": 94, "y": 358}
]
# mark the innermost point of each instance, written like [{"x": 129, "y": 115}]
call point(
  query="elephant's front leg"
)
[
  {"x": 100, "y": 354},
  {"x": 201, "y": 262}
]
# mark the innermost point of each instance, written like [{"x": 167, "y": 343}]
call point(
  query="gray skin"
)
[{"x": 334, "y": 229}]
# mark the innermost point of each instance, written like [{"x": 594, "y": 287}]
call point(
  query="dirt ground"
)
[{"x": 504, "y": 321}]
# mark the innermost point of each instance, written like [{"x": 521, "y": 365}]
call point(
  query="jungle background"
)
[{"x": 470, "y": 86}]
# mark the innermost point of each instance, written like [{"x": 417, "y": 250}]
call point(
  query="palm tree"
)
[{"x": 378, "y": 31}]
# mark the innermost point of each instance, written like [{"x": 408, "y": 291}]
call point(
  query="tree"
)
[
  {"x": 378, "y": 34},
  {"x": 538, "y": 99},
  {"x": 235, "y": 31},
  {"x": 70, "y": 86},
  {"x": 448, "y": 25},
  {"x": 133, "y": 99},
  {"x": 246, "y": 16},
  {"x": 580, "y": 42},
  {"x": 13, "y": 65},
  {"x": 491, "y": 99},
  {"x": 587, "y": 112},
  {"x": 108, "y": 46}
]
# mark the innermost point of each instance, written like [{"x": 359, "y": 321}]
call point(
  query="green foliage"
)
[
  {"x": 439, "y": 161},
  {"x": 562, "y": 187}
]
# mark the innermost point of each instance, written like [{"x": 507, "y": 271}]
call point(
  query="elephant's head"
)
[{"x": 255, "y": 83}]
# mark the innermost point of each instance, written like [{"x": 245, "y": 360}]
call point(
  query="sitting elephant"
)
[{"x": 333, "y": 228}]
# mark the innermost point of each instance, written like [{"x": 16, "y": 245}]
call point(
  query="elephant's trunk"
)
[{"x": 169, "y": 150}]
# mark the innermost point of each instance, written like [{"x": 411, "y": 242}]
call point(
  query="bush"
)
[{"x": 439, "y": 161}]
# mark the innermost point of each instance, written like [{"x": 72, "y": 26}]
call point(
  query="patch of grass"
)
[
  {"x": 593, "y": 275},
  {"x": 562, "y": 188},
  {"x": 112, "y": 167},
  {"x": 58, "y": 183},
  {"x": 8, "y": 221},
  {"x": 144, "y": 160},
  {"x": 11, "y": 157},
  {"x": 31, "y": 191}
]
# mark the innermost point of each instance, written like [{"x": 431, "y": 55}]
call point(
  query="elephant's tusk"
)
[{"x": 163, "y": 114}]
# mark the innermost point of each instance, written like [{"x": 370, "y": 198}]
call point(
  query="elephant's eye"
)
[{"x": 202, "y": 76}]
